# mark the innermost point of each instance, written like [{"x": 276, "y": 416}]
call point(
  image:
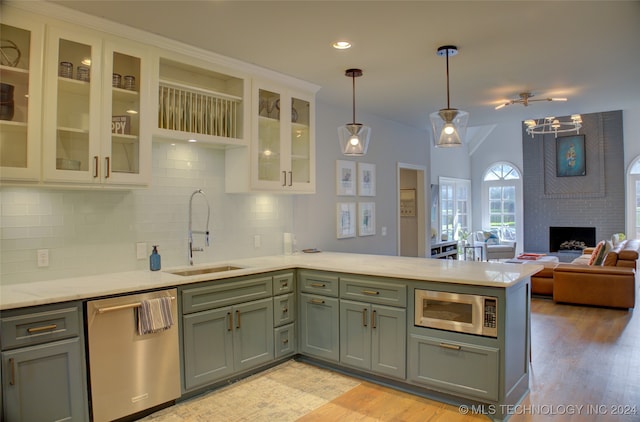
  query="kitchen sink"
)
[{"x": 205, "y": 270}]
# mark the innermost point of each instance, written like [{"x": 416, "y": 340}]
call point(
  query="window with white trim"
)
[
  {"x": 455, "y": 207},
  {"x": 502, "y": 201},
  {"x": 633, "y": 200}
]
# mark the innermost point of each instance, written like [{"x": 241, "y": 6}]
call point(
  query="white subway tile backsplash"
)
[{"x": 95, "y": 231}]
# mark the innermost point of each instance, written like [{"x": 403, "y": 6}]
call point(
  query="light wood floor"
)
[{"x": 585, "y": 367}]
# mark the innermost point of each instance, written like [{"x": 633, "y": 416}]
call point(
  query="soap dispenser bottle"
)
[{"x": 154, "y": 259}]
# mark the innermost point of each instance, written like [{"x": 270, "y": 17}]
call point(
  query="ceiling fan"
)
[{"x": 525, "y": 99}]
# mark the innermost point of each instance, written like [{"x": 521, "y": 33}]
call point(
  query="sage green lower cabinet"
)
[
  {"x": 320, "y": 326},
  {"x": 373, "y": 337},
  {"x": 43, "y": 364},
  {"x": 227, "y": 328},
  {"x": 454, "y": 367}
]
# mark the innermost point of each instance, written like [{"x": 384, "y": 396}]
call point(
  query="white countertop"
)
[{"x": 492, "y": 274}]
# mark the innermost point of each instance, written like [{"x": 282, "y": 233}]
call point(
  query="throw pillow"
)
[
  {"x": 490, "y": 238},
  {"x": 595, "y": 252},
  {"x": 602, "y": 254}
]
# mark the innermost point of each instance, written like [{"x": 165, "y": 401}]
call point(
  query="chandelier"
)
[{"x": 553, "y": 125}]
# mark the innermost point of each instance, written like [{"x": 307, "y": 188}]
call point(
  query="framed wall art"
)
[
  {"x": 345, "y": 220},
  {"x": 366, "y": 179},
  {"x": 570, "y": 156},
  {"x": 345, "y": 178},
  {"x": 366, "y": 218}
]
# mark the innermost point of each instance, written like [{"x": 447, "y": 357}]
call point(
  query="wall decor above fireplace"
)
[{"x": 570, "y": 156}]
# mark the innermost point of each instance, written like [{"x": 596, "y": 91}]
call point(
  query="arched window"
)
[
  {"x": 502, "y": 201},
  {"x": 633, "y": 200}
]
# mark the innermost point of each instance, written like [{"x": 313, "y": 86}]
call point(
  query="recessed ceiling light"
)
[{"x": 341, "y": 45}]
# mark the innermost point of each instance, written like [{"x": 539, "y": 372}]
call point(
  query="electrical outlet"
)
[
  {"x": 384, "y": 230},
  {"x": 257, "y": 241},
  {"x": 141, "y": 250},
  {"x": 43, "y": 257}
]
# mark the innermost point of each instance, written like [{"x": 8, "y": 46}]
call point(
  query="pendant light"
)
[
  {"x": 449, "y": 124},
  {"x": 354, "y": 137}
]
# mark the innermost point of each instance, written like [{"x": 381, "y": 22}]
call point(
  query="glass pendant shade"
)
[
  {"x": 449, "y": 127},
  {"x": 354, "y": 138}
]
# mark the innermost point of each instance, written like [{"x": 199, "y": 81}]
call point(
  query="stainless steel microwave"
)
[{"x": 472, "y": 314}]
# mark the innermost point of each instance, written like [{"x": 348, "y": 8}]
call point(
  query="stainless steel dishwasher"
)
[{"x": 130, "y": 372}]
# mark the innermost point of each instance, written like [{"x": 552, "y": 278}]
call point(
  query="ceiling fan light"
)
[{"x": 559, "y": 99}]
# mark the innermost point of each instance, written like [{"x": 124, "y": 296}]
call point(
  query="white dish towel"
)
[{"x": 154, "y": 315}]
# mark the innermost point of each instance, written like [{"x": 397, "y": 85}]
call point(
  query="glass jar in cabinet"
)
[
  {"x": 283, "y": 148},
  {"x": 21, "y": 99}
]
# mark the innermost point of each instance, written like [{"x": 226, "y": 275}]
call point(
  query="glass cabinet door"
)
[
  {"x": 300, "y": 142},
  {"x": 126, "y": 136},
  {"x": 71, "y": 110},
  {"x": 269, "y": 139},
  {"x": 20, "y": 98}
]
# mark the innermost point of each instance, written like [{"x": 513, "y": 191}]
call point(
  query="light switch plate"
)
[{"x": 141, "y": 250}]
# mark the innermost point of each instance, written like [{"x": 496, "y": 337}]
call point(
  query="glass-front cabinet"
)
[
  {"x": 21, "y": 99},
  {"x": 93, "y": 110},
  {"x": 283, "y": 153}
]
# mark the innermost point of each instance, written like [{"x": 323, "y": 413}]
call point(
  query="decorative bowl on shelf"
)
[{"x": 66, "y": 164}]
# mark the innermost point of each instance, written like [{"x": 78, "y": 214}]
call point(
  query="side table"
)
[{"x": 473, "y": 252}]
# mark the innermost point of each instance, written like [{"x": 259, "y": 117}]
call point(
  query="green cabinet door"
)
[
  {"x": 44, "y": 382},
  {"x": 208, "y": 346},
  {"x": 319, "y": 326},
  {"x": 253, "y": 334},
  {"x": 373, "y": 337}
]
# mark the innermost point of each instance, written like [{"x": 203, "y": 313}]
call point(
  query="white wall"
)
[{"x": 315, "y": 215}]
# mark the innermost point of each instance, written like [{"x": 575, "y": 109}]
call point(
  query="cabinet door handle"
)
[
  {"x": 284, "y": 285},
  {"x": 284, "y": 175},
  {"x": 364, "y": 317},
  {"x": 43, "y": 328},
  {"x": 96, "y": 166},
  {"x": 317, "y": 301},
  {"x": 108, "y": 167},
  {"x": 318, "y": 285},
  {"x": 12, "y": 381},
  {"x": 285, "y": 310},
  {"x": 373, "y": 319},
  {"x": 290, "y": 178},
  {"x": 370, "y": 292},
  {"x": 238, "y": 317},
  {"x": 450, "y": 346},
  {"x": 230, "y": 320}
]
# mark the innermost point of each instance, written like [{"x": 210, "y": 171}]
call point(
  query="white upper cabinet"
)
[
  {"x": 282, "y": 152},
  {"x": 20, "y": 108},
  {"x": 95, "y": 126}
]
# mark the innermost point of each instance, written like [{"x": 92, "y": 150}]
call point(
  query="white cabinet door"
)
[
  {"x": 21, "y": 76},
  {"x": 283, "y": 141}
]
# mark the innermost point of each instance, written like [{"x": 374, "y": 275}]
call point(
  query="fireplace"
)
[{"x": 571, "y": 238}]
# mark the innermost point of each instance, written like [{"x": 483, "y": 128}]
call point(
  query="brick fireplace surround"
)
[{"x": 594, "y": 200}]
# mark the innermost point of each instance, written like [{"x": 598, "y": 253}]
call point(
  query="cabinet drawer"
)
[
  {"x": 47, "y": 324},
  {"x": 454, "y": 367},
  {"x": 223, "y": 293},
  {"x": 283, "y": 283},
  {"x": 285, "y": 340},
  {"x": 370, "y": 291},
  {"x": 319, "y": 283},
  {"x": 284, "y": 309}
]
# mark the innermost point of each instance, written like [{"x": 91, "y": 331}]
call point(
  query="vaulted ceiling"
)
[{"x": 588, "y": 51}]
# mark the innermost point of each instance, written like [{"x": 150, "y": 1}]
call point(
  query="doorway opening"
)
[{"x": 411, "y": 210}]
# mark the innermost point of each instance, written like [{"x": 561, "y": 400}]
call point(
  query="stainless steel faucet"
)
[{"x": 205, "y": 232}]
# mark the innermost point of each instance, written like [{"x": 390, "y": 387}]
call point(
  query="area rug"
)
[{"x": 283, "y": 393}]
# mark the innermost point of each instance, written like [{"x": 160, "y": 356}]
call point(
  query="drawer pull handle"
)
[
  {"x": 12, "y": 381},
  {"x": 364, "y": 317},
  {"x": 285, "y": 285},
  {"x": 43, "y": 328},
  {"x": 230, "y": 318},
  {"x": 370, "y": 292},
  {"x": 285, "y": 341},
  {"x": 317, "y": 301},
  {"x": 318, "y": 285},
  {"x": 285, "y": 310},
  {"x": 450, "y": 346}
]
